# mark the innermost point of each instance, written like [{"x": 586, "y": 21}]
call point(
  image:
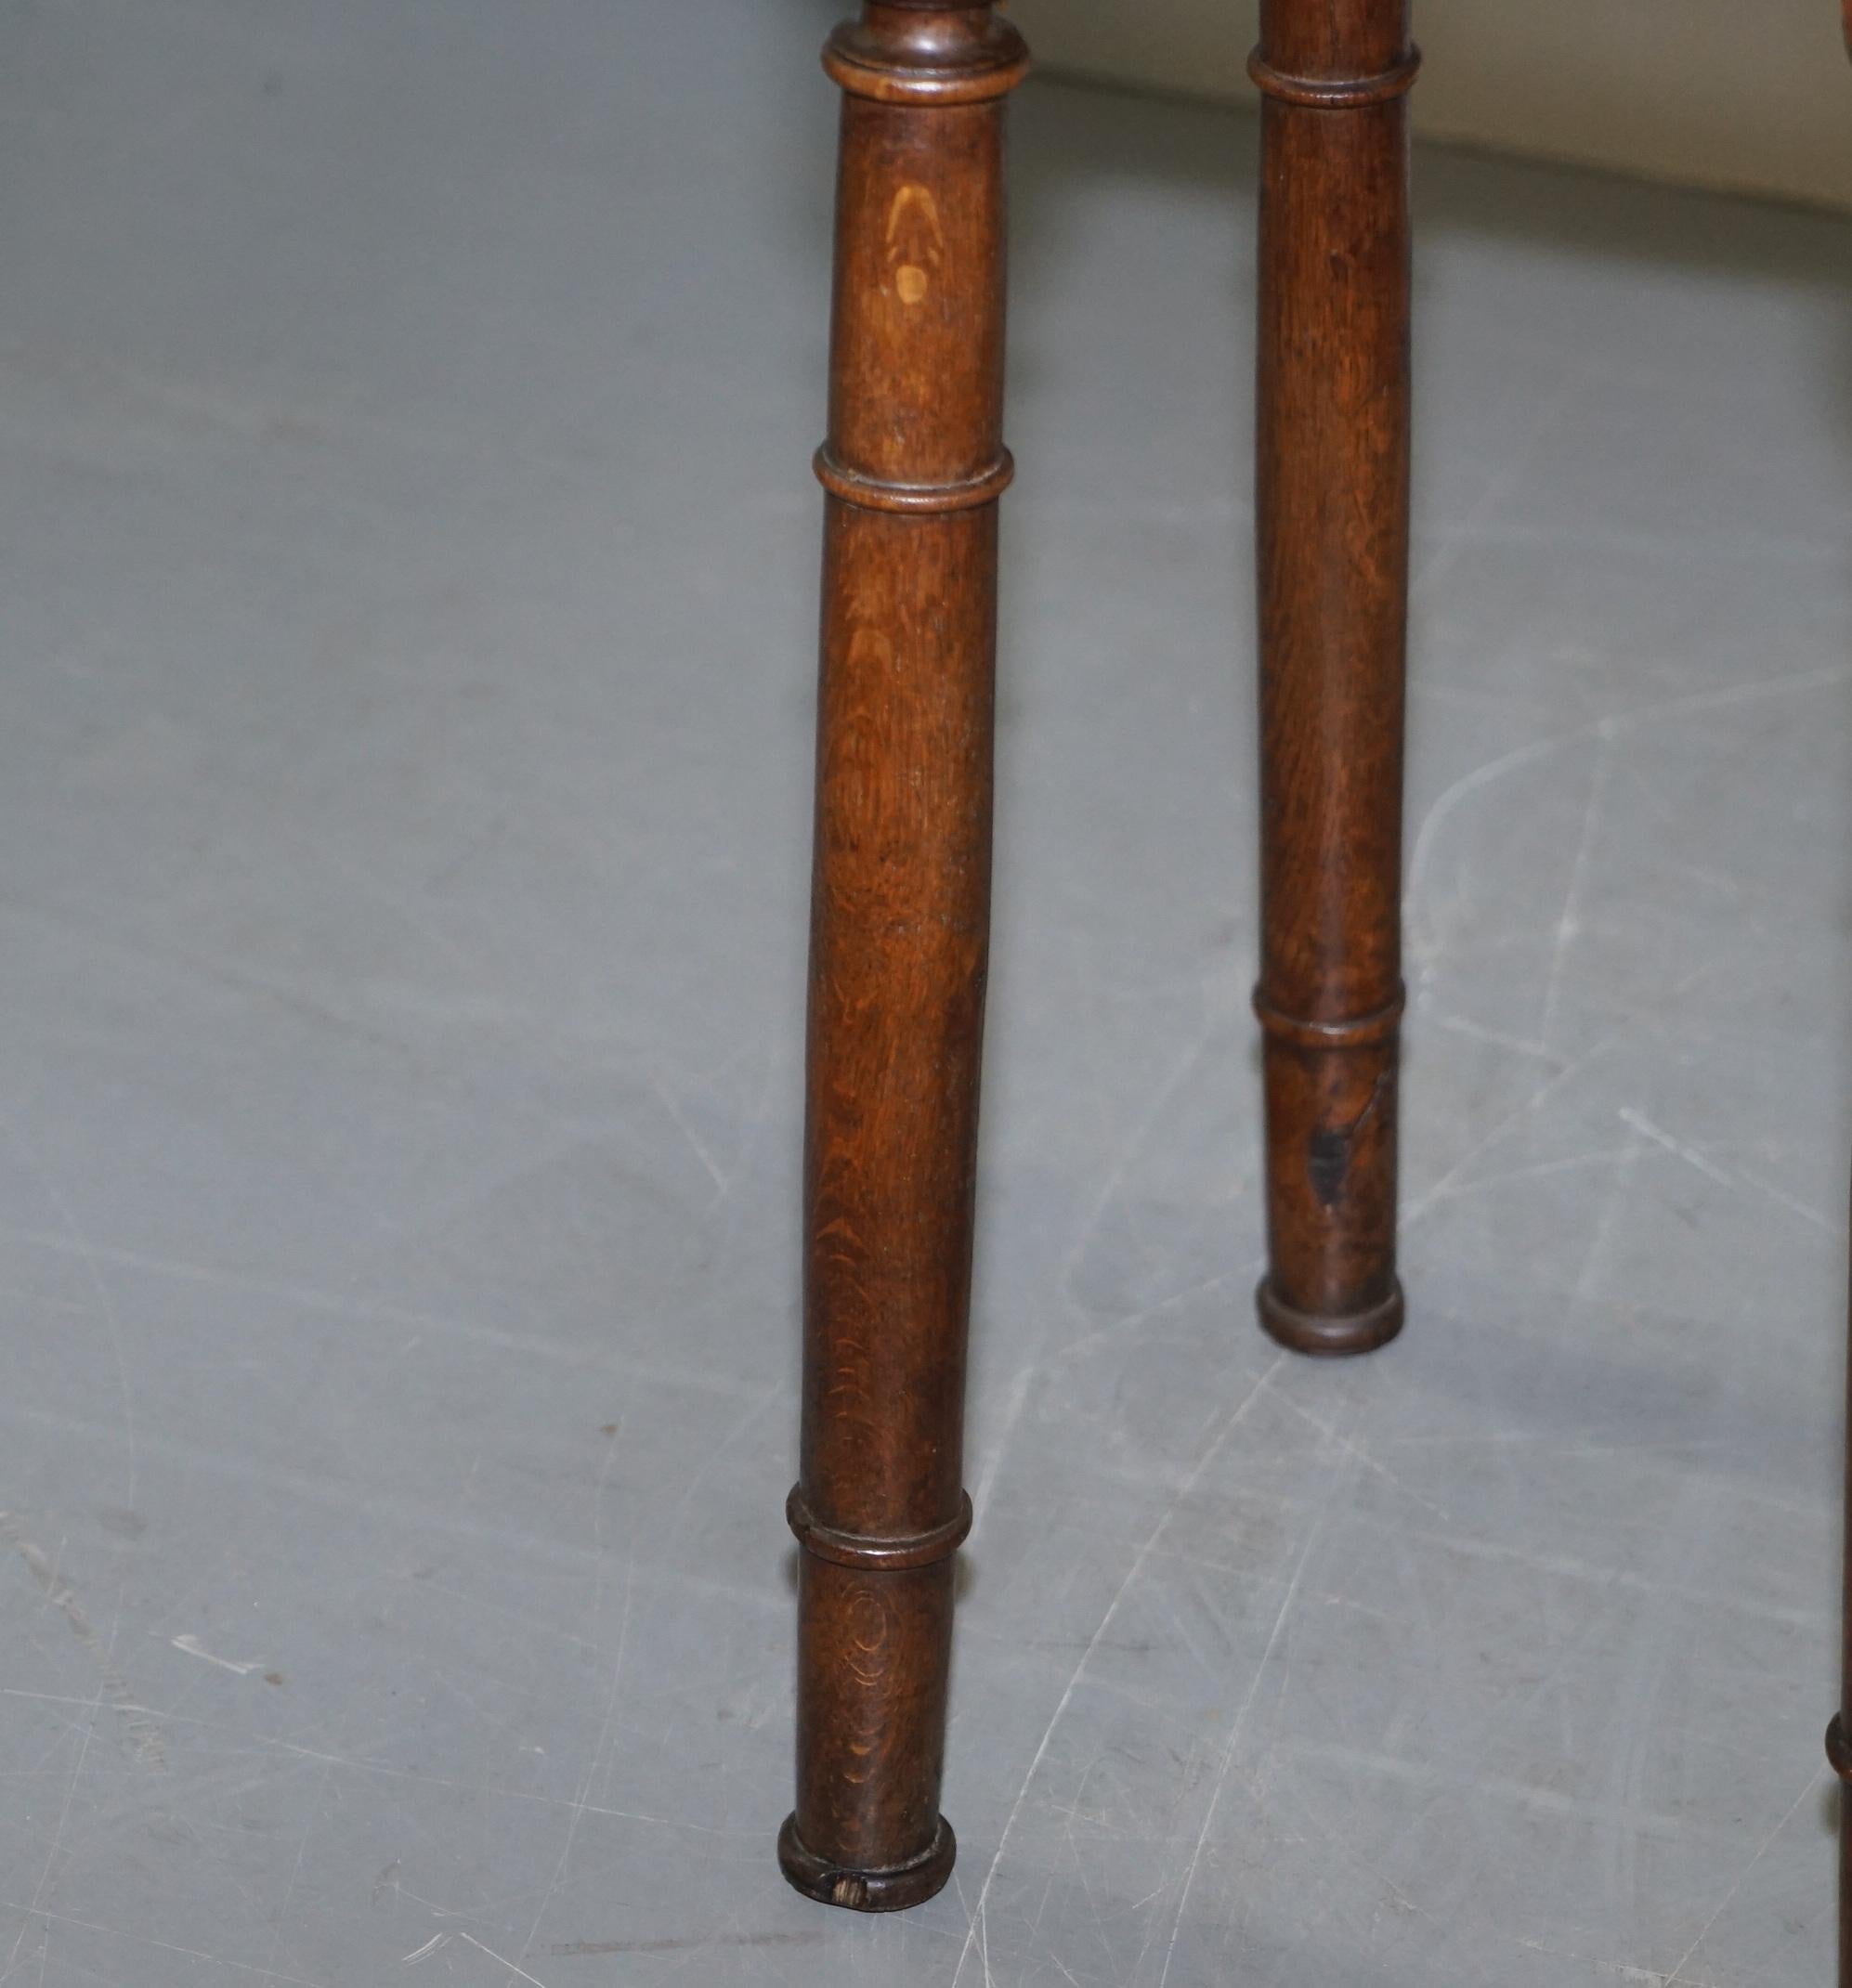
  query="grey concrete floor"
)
[{"x": 407, "y": 553}]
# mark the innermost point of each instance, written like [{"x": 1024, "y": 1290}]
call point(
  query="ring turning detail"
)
[
  {"x": 856, "y": 1549},
  {"x": 1362, "y": 1031},
  {"x": 870, "y": 493},
  {"x": 1335, "y": 93}
]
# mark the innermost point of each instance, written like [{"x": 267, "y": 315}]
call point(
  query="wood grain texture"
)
[
  {"x": 912, "y": 469},
  {"x": 1332, "y": 542}
]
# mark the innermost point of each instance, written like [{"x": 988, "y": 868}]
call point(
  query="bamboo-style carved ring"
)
[
  {"x": 858, "y": 1549},
  {"x": 932, "y": 65},
  {"x": 1362, "y": 1031},
  {"x": 916, "y": 498},
  {"x": 1335, "y": 93}
]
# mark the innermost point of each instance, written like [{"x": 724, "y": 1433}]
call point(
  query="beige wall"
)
[{"x": 1750, "y": 94}]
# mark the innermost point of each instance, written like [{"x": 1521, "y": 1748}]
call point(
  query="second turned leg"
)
[
  {"x": 1838, "y": 1746},
  {"x": 1332, "y": 521},
  {"x": 899, "y": 930}
]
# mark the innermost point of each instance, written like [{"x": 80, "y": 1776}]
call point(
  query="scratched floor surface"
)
[{"x": 407, "y": 549}]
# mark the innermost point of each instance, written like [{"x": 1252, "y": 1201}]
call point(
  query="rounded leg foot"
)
[
  {"x": 1328, "y": 1338},
  {"x": 889, "y": 1890}
]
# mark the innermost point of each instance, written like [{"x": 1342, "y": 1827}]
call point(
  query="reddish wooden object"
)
[
  {"x": 1331, "y": 516},
  {"x": 1838, "y": 1749},
  {"x": 913, "y": 467},
  {"x": 1838, "y": 1741}
]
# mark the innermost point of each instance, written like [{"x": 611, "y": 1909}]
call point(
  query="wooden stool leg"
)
[
  {"x": 1838, "y": 1748},
  {"x": 1332, "y": 526},
  {"x": 900, "y": 926}
]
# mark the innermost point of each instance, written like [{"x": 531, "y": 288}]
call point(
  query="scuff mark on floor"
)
[
  {"x": 192, "y": 1647},
  {"x": 143, "y": 1736}
]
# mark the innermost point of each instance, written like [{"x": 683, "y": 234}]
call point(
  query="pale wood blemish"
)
[{"x": 916, "y": 242}]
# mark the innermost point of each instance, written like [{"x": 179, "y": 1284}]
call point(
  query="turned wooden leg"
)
[
  {"x": 1838, "y": 1741},
  {"x": 1838, "y": 1749},
  {"x": 1332, "y": 529},
  {"x": 900, "y": 915}
]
